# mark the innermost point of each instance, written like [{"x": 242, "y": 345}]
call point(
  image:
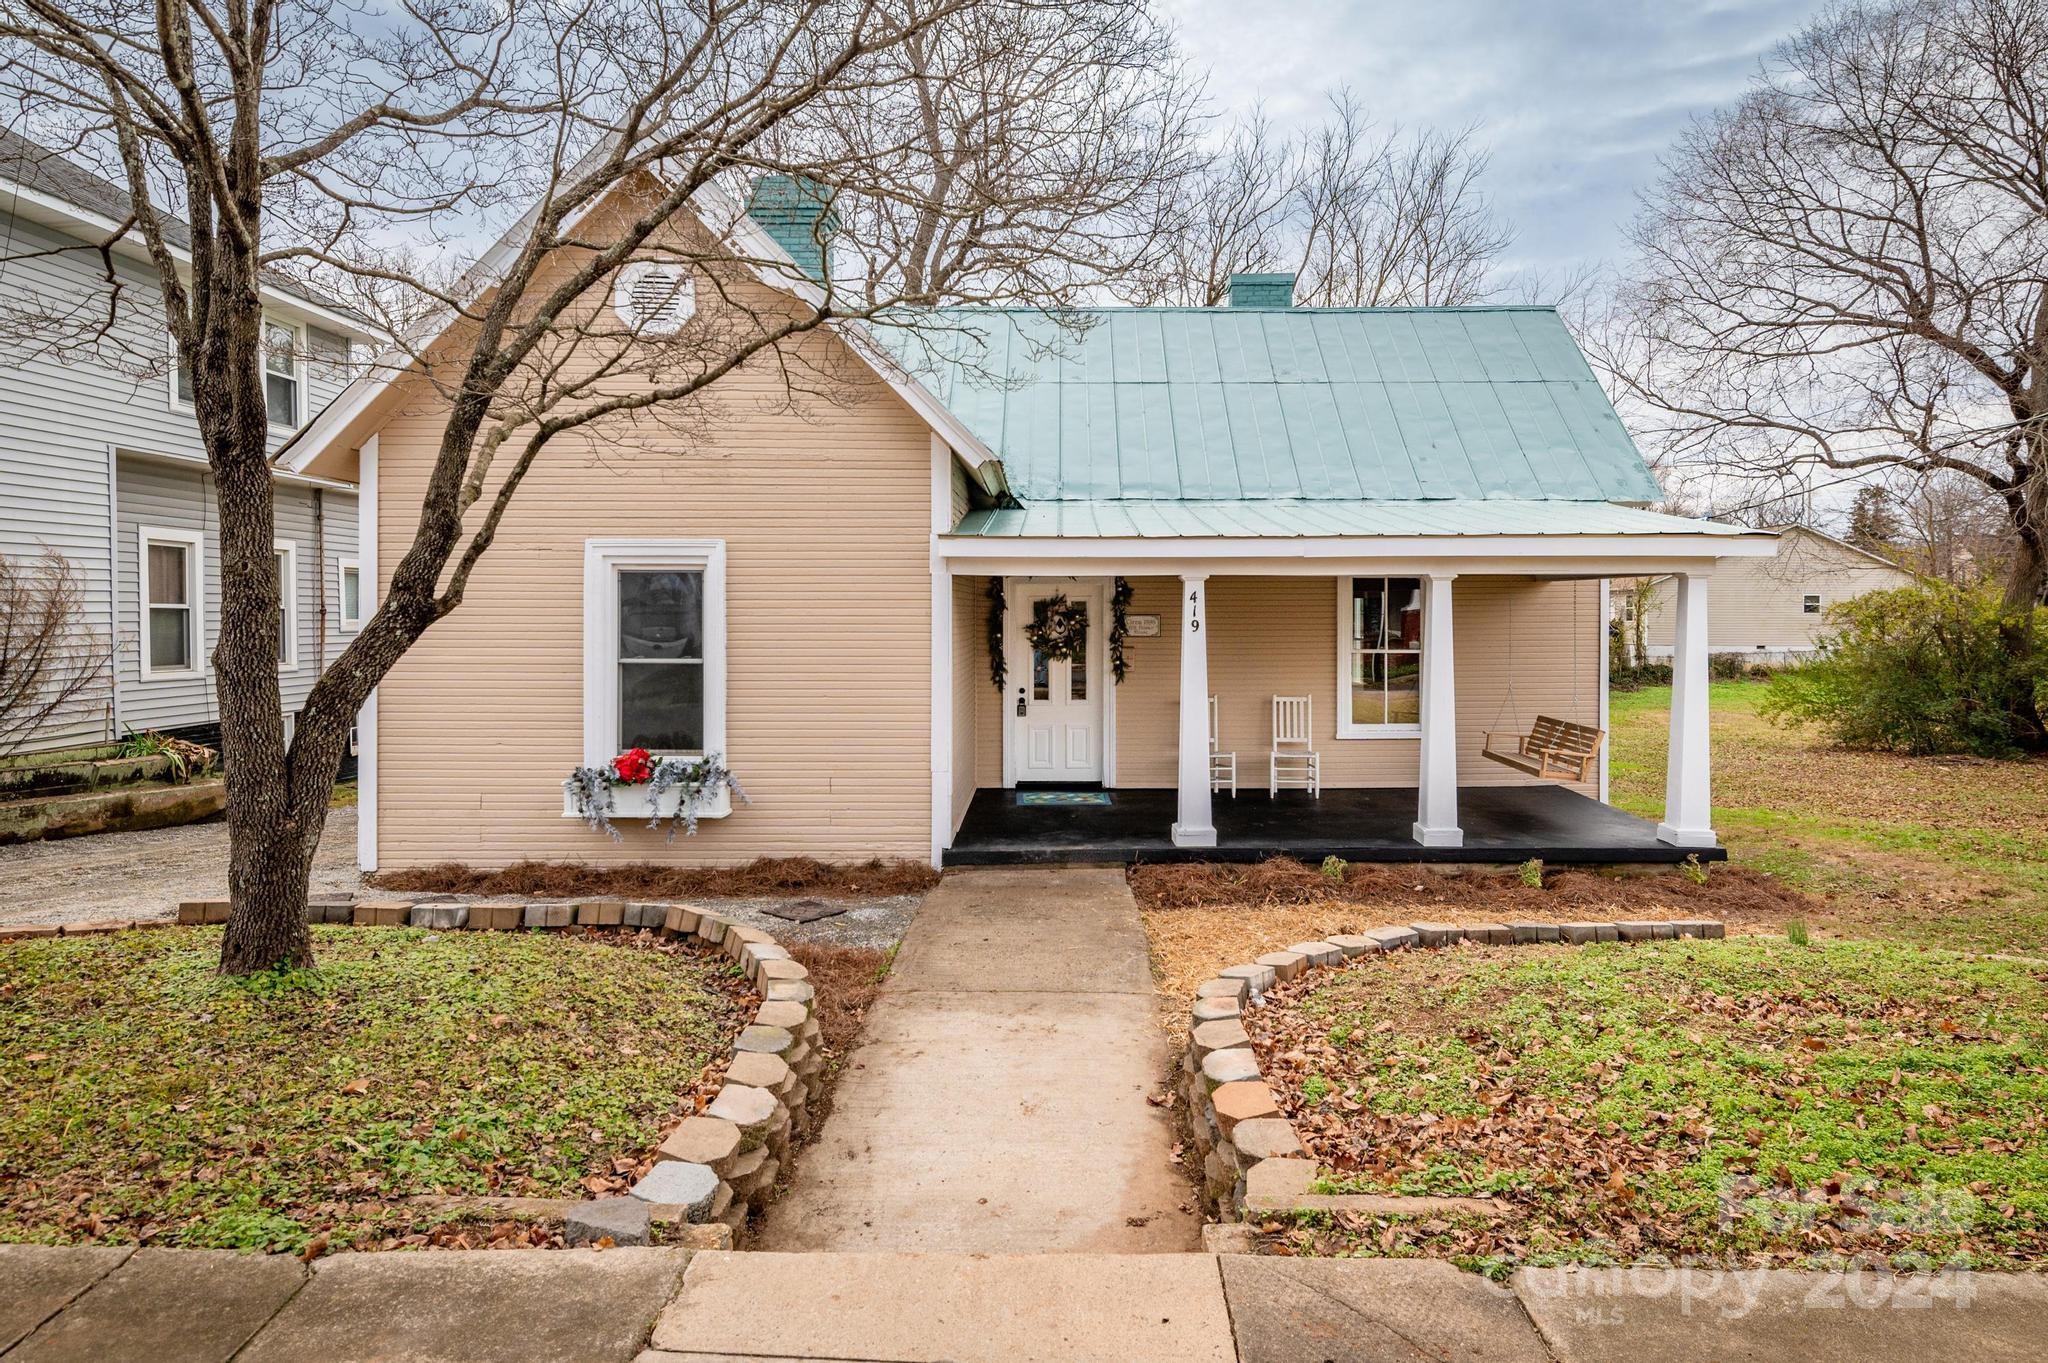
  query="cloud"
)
[{"x": 1576, "y": 98}]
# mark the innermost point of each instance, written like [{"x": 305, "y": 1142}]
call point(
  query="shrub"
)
[
  {"x": 1334, "y": 868},
  {"x": 1643, "y": 674},
  {"x": 1923, "y": 669},
  {"x": 1727, "y": 666},
  {"x": 1531, "y": 872}
]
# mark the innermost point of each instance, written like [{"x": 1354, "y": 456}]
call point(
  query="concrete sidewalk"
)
[
  {"x": 670, "y": 1306},
  {"x": 996, "y": 1102}
]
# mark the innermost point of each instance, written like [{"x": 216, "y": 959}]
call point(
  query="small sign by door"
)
[{"x": 1141, "y": 626}]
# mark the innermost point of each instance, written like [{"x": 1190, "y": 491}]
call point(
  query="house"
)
[
  {"x": 978, "y": 610},
  {"x": 101, "y": 460},
  {"x": 1772, "y": 610}
]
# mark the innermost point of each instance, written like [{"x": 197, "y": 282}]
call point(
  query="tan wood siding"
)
[
  {"x": 968, "y": 618},
  {"x": 826, "y": 518},
  {"x": 1278, "y": 636}
]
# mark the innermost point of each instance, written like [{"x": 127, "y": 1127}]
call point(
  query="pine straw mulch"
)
[
  {"x": 1747, "y": 1100},
  {"x": 1203, "y": 917},
  {"x": 768, "y": 877}
]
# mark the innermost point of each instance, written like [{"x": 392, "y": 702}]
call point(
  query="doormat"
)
[
  {"x": 1067, "y": 798},
  {"x": 806, "y": 910}
]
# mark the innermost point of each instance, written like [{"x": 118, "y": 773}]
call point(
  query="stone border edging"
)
[
  {"x": 1253, "y": 1160},
  {"x": 717, "y": 1166}
]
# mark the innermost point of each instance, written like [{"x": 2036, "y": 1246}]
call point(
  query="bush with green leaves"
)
[{"x": 1923, "y": 669}]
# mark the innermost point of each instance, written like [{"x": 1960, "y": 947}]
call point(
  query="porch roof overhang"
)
[{"x": 1559, "y": 538}]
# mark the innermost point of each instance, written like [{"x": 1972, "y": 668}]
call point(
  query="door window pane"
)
[
  {"x": 661, "y": 668},
  {"x": 1041, "y": 676},
  {"x": 1077, "y": 670}
]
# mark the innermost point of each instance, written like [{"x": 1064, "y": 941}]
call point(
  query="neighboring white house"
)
[
  {"x": 101, "y": 461},
  {"x": 1773, "y": 609}
]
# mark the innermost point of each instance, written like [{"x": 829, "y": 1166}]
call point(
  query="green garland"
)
[
  {"x": 1119, "y": 609},
  {"x": 995, "y": 632}
]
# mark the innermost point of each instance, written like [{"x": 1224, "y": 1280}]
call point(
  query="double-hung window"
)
[
  {"x": 1809, "y": 604},
  {"x": 172, "y": 625},
  {"x": 287, "y": 605},
  {"x": 283, "y": 355},
  {"x": 284, "y": 373},
  {"x": 1379, "y": 644},
  {"x": 654, "y": 648}
]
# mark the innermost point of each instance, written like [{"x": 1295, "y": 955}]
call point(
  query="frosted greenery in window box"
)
[{"x": 667, "y": 790}]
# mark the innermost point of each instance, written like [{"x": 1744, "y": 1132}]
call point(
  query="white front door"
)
[{"x": 1055, "y": 704}]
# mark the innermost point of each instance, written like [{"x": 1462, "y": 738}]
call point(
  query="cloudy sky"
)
[{"x": 1576, "y": 97}]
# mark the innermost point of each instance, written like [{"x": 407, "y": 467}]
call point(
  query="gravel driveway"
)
[{"x": 144, "y": 875}]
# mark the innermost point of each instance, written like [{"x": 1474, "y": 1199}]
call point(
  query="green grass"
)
[
  {"x": 143, "y": 1097},
  {"x": 1747, "y": 1099},
  {"x": 1948, "y": 851}
]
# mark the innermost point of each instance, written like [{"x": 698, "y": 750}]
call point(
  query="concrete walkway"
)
[
  {"x": 670, "y": 1306},
  {"x": 996, "y": 1103}
]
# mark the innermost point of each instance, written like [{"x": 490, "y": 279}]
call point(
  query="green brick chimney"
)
[
  {"x": 1262, "y": 291},
  {"x": 797, "y": 211}
]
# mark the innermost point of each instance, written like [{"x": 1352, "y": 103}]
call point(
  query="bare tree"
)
[
  {"x": 49, "y": 654},
  {"x": 350, "y": 146},
  {"x": 1074, "y": 133},
  {"x": 1848, "y": 269},
  {"x": 1365, "y": 215},
  {"x": 1952, "y": 528}
]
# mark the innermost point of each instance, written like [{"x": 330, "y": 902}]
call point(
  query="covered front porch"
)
[
  {"x": 1552, "y": 823},
  {"x": 1417, "y": 665}
]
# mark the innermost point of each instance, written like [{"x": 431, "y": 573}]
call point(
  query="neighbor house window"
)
[
  {"x": 348, "y": 588},
  {"x": 170, "y": 581},
  {"x": 654, "y": 647},
  {"x": 1810, "y": 603},
  {"x": 1379, "y": 641},
  {"x": 284, "y": 366},
  {"x": 287, "y": 604},
  {"x": 282, "y": 357}
]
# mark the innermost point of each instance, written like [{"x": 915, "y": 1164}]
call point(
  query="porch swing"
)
[{"x": 1553, "y": 749}]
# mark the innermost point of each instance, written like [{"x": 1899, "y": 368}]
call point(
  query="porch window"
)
[
  {"x": 1380, "y": 657},
  {"x": 654, "y": 644}
]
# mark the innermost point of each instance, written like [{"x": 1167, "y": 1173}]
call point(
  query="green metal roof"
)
[
  {"x": 1245, "y": 405},
  {"x": 1296, "y": 518}
]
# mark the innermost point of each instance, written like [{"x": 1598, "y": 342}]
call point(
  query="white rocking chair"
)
[
  {"x": 1293, "y": 762},
  {"x": 1222, "y": 765}
]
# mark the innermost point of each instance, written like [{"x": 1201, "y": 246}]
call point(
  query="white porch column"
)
[
  {"x": 1193, "y": 828},
  {"x": 1688, "y": 819},
  {"x": 1436, "y": 818}
]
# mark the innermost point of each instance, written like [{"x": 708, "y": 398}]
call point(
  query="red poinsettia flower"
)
[{"x": 634, "y": 766}]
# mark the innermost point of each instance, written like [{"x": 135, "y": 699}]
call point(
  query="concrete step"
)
[{"x": 948, "y": 1308}]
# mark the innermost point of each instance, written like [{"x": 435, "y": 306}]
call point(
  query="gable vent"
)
[{"x": 655, "y": 298}]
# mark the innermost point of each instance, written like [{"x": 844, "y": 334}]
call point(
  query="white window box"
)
[{"x": 630, "y": 803}]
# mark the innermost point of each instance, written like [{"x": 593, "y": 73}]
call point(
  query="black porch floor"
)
[{"x": 1501, "y": 823}]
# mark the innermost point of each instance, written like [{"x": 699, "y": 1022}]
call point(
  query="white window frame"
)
[
  {"x": 298, "y": 330},
  {"x": 342, "y": 568},
  {"x": 298, "y": 374},
  {"x": 603, "y": 560},
  {"x": 288, "y": 589},
  {"x": 1346, "y": 726},
  {"x": 194, "y": 545},
  {"x": 1814, "y": 597}
]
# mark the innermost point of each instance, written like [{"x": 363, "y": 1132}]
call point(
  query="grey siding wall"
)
[
  {"x": 319, "y": 524},
  {"x": 65, "y": 410}
]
